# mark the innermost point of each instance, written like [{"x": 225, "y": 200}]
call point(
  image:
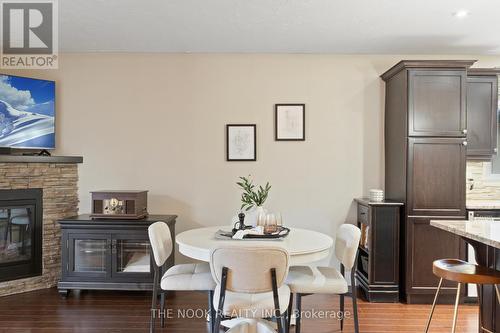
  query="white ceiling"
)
[{"x": 281, "y": 26}]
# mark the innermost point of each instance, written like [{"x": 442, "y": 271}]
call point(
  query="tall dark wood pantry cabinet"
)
[{"x": 425, "y": 156}]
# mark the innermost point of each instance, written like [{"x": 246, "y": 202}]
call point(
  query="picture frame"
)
[
  {"x": 290, "y": 122},
  {"x": 241, "y": 142}
]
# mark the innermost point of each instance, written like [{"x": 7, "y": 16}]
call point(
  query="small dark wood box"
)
[{"x": 119, "y": 204}]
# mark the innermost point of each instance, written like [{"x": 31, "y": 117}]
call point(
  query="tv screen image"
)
[{"x": 27, "y": 112}]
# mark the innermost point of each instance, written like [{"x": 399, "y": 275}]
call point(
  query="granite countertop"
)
[
  {"x": 482, "y": 204},
  {"x": 483, "y": 231}
]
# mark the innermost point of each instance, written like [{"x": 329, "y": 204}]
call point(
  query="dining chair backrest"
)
[
  {"x": 161, "y": 242},
  {"x": 346, "y": 244},
  {"x": 249, "y": 268}
]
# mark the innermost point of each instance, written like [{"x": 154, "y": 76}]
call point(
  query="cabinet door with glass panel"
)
[
  {"x": 131, "y": 257},
  {"x": 88, "y": 255}
]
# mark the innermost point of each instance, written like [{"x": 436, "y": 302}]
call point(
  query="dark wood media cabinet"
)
[
  {"x": 378, "y": 268},
  {"x": 108, "y": 254}
]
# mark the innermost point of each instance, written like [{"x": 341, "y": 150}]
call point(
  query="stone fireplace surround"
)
[{"x": 58, "y": 177}]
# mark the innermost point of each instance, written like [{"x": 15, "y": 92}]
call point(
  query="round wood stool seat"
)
[{"x": 464, "y": 272}]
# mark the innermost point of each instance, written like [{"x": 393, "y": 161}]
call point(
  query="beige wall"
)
[{"x": 156, "y": 122}]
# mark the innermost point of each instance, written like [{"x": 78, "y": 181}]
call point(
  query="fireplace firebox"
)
[{"x": 20, "y": 233}]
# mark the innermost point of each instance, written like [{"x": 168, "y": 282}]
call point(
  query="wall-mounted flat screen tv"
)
[{"x": 27, "y": 113}]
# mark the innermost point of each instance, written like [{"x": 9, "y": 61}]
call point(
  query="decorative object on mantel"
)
[
  {"x": 252, "y": 200},
  {"x": 290, "y": 122},
  {"x": 241, "y": 142},
  {"x": 376, "y": 195},
  {"x": 119, "y": 204}
]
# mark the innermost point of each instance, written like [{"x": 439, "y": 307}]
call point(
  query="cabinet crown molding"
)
[
  {"x": 483, "y": 71},
  {"x": 406, "y": 64}
]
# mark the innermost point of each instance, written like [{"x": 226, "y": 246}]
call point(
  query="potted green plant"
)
[{"x": 253, "y": 199}]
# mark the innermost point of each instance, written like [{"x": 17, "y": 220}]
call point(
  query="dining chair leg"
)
[
  {"x": 289, "y": 313},
  {"x": 298, "y": 314},
  {"x": 455, "y": 313},
  {"x": 354, "y": 295},
  {"x": 342, "y": 299},
  {"x": 154, "y": 301},
  {"x": 162, "y": 309},
  {"x": 222, "y": 298},
  {"x": 355, "y": 309},
  {"x": 152, "y": 322},
  {"x": 498, "y": 293},
  {"x": 433, "y": 306},
  {"x": 284, "y": 320},
  {"x": 153, "y": 312},
  {"x": 277, "y": 311},
  {"x": 218, "y": 315},
  {"x": 211, "y": 310}
]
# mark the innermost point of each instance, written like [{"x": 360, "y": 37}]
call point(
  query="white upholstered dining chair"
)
[
  {"x": 250, "y": 283},
  {"x": 252, "y": 327},
  {"x": 184, "y": 277},
  {"x": 307, "y": 280}
]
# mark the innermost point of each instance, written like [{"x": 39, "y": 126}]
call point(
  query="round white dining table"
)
[{"x": 304, "y": 246}]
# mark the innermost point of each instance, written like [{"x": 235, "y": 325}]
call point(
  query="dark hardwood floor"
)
[{"x": 45, "y": 311}]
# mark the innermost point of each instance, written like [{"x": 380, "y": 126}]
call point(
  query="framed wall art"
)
[
  {"x": 290, "y": 122},
  {"x": 241, "y": 142}
]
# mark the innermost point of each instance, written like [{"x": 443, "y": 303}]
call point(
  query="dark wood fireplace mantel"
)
[{"x": 40, "y": 159}]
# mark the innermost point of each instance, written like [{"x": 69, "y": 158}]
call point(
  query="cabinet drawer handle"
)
[
  {"x": 464, "y": 131},
  {"x": 362, "y": 213},
  {"x": 495, "y": 150},
  {"x": 464, "y": 143}
]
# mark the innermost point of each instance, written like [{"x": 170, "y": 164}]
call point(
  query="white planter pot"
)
[{"x": 252, "y": 215}]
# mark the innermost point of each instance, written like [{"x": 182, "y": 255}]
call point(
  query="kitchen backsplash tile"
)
[{"x": 480, "y": 185}]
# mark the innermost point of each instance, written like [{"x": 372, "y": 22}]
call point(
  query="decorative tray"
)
[{"x": 281, "y": 233}]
